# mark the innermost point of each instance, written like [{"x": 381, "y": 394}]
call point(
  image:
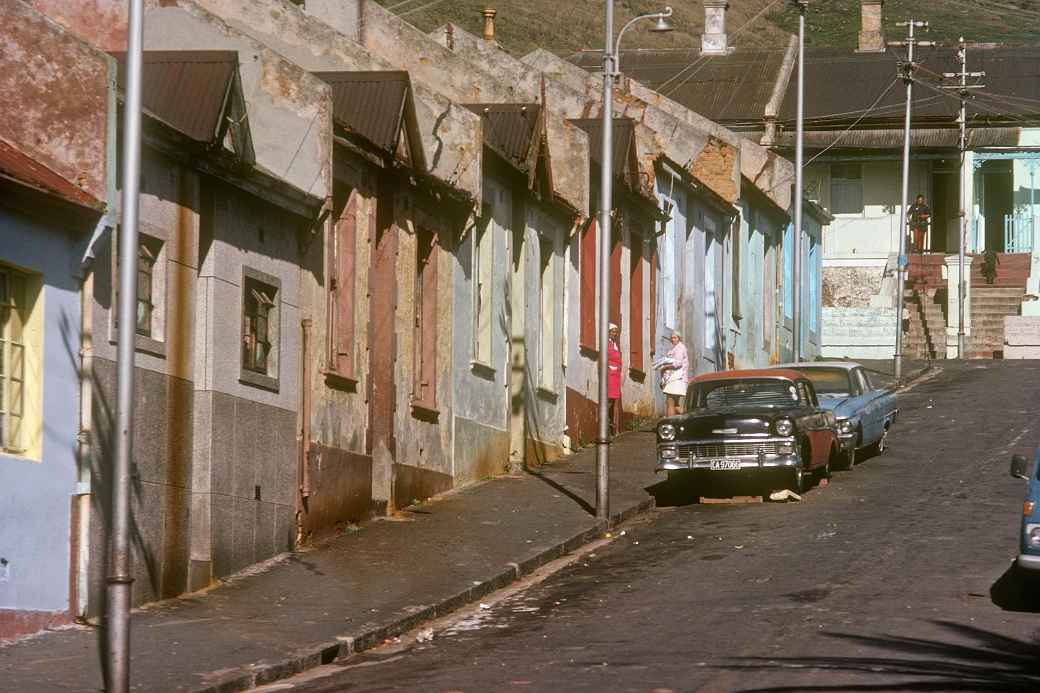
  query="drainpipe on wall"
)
[
  {"x": 84, "y": 451},
  {"x": 304, "y": 470}
]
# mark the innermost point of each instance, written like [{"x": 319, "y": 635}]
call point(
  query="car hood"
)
[
  {"x": 726, "y": 423},
  {"x": 841, "y": 406}
]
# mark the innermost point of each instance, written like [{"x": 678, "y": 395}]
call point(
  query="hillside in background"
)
[
  {"x": 836, "y": 22},
  {"x": 565, "y": 26}
]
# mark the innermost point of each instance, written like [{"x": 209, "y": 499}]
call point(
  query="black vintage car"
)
[{"x": 760, "y": 426}]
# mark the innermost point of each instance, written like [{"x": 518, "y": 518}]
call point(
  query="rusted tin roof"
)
[
  {"x": 21, "y": 168},
  {"x": 892, "y": 138},
  {"x": 624, "y": 146},
  {"x": 370, "y": 104},
  {"x": 187, "y": 90},
  {"x": 734, "y": 87},
  {"x": 512, "y": 130}
]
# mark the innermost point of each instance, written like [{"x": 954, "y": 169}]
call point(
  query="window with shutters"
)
[
  {"x": 846, "y": 189},
  {"x": 342, "y": 286},
  {"x": 20, "y": 358},
  {"x": 424, "y": 391},
  {"x": 587, "y": 288},
  {"x": 260, "y": 329},
  {"x": 548, "y": 327},
  {"x": 150, "y": 306},
  {"x": 635, "y": 305},
  {"x": 735, "y": 250},
  {"x": 483, "y": 270}
]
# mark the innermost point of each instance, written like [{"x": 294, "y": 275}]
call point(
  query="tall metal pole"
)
[
  {"x": 117, "y": 617},
  {"x": 796, "y": 279},
  {"x": 962, "y": 88},
  {"x": 908, "y": 77},
  {"x": 606, "y": 196}
]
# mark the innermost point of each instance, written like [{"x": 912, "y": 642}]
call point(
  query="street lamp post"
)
[
  {"x": 799, "y": 149},
  {"x": 611, "y": 71}
]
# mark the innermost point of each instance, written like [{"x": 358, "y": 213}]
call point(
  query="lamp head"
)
[{"x": 663, "y": 25}]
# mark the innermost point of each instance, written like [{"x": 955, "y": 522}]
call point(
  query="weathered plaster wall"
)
[
  {"x": 54, "y": 97},
  {"x": 36, "y": 495},
  {"x": 289, "y": 110},
  {"x": 470, "y": 77},
  {"x": 451, "y": 134},
  {"x": 863, "y": 333}
]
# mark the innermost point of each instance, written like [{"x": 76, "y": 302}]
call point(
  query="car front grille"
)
[{"x": 717, "y": 450}]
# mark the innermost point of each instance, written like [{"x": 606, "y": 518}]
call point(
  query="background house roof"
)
[{"x": 187, "y": 90}]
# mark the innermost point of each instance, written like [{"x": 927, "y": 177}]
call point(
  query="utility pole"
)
[
  {"x": 611, "y": 71},
  {"x": 908, "y": 78},
  {"x": 606, "y": 197},
  {"x": 963, "y": 88},
  {"x": 799, "y": 155},
  {"x": 117, "y": 614}
]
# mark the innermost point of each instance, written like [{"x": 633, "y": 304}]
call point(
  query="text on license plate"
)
[{"x": 723, "y": 465}]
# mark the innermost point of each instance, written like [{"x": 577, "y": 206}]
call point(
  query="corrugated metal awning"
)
[
  {"x": 626, "y": 166},
  {"x": 187, "y": 90},
  {"x": 17, "y": 166},
  {"x": 513, "y": 131}
]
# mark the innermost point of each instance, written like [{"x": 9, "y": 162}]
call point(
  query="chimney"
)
[
  {"x": 489, "y": 23},
  {"x": 871, "y": 36},
  {"x": 714, "y": 41}
]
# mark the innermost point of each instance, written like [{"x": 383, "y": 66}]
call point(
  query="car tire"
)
[
  {"x": 799, "y": 481},
  {"x": 848, "y": 459}
]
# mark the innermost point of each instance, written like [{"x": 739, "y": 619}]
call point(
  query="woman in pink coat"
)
[{"x": 614, "y": 377}]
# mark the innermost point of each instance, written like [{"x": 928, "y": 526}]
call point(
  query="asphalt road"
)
[{"x": 895, "y": 576}]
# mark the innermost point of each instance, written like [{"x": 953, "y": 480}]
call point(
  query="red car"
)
[{"x": 762, "y": 426}]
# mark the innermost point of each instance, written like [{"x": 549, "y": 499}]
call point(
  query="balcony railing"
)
[{"x": 1020, "y": 233}]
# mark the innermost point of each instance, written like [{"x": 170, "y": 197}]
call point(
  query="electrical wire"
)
[
  {"x": 705, "y": 58},
  {"x": 420, "y": 8}
]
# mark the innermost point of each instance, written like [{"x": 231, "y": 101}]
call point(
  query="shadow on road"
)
[
  {"x": 1016, "y": 590},
  {"x": 980, "y": 660}
]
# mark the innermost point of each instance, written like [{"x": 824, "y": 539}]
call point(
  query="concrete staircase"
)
[
  {"x": 989, "y": 306},
  {"x": 925, "y": 337},
  {"x": 991, "y": 303}
]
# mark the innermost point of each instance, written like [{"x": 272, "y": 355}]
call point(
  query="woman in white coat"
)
[{"x": 674, "y": 375}]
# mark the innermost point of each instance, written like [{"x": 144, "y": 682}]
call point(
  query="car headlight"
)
[
  {"x": 666, "y": 431},
  {"x": 784, "y": 427},
  {"x": 669, "y": 453},
  {"x": 1033, "y": 536},
  {"x": 845, "y": 427}
]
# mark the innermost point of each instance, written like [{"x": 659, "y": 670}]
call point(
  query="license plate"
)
[{"x": 723, "y": 465}]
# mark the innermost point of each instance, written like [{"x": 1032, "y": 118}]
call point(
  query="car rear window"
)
[
  {"x": 828, "y": 381},
  {"x": 744, "y": 393}
]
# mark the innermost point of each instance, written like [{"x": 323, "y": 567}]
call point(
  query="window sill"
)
[
  {"x": 591, "y": 352},
  {"x": 340, "y": 381},
  {"x": 482, "y": 369},
  {"x": 145, "y": 345},
  {"x": 547, "y": 393},
  {"x": 425, "y": 411},
  {"x": 264, "y": 382}
]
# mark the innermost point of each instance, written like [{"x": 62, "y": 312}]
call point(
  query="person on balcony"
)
[{"x": 919, "y": 217}]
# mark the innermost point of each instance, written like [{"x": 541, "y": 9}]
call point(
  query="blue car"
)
[
  {"x": 1029, "y": 545},
  {"x": 864, "y": 413}
]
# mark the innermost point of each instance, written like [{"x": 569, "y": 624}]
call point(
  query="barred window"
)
[{"x": 257, "y": 328}]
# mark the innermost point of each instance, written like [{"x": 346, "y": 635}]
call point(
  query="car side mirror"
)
[{"x": 1019, "y": 467}]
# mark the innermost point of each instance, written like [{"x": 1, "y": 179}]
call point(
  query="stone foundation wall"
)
[
  {"x": 850, "y": 287},
  {"x": 863, "y": 333}
]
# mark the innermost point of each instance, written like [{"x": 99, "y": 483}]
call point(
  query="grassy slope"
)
[{"x": 564, "y": 26}]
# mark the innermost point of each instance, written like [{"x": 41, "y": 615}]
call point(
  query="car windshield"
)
[
  {"x": 724, "y": 394},
  {"x": 832, "y": 382}
]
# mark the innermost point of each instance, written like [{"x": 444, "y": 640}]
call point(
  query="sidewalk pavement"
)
[
  {"x": 352, "y": 593},
  {"x": 882, "y": 371}
]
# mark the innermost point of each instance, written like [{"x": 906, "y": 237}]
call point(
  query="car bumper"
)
[
  {"x": 747, "y": 464},
  {"x": 1028, "y": 561}
]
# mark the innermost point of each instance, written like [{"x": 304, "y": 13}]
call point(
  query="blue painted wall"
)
[{"x": 35, "y": 495}]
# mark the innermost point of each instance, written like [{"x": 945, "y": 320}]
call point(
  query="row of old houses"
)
[
  {"x": 367, "y": 274},
  {"x": 854, "y": 112}
]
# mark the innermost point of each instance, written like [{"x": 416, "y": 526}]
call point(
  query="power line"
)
[
  {"x": 420, "y": 8},
  {"x": 705, "y": 58}
]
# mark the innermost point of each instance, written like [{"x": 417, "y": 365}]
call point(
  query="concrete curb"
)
[{"x": 268, "y": 671}]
